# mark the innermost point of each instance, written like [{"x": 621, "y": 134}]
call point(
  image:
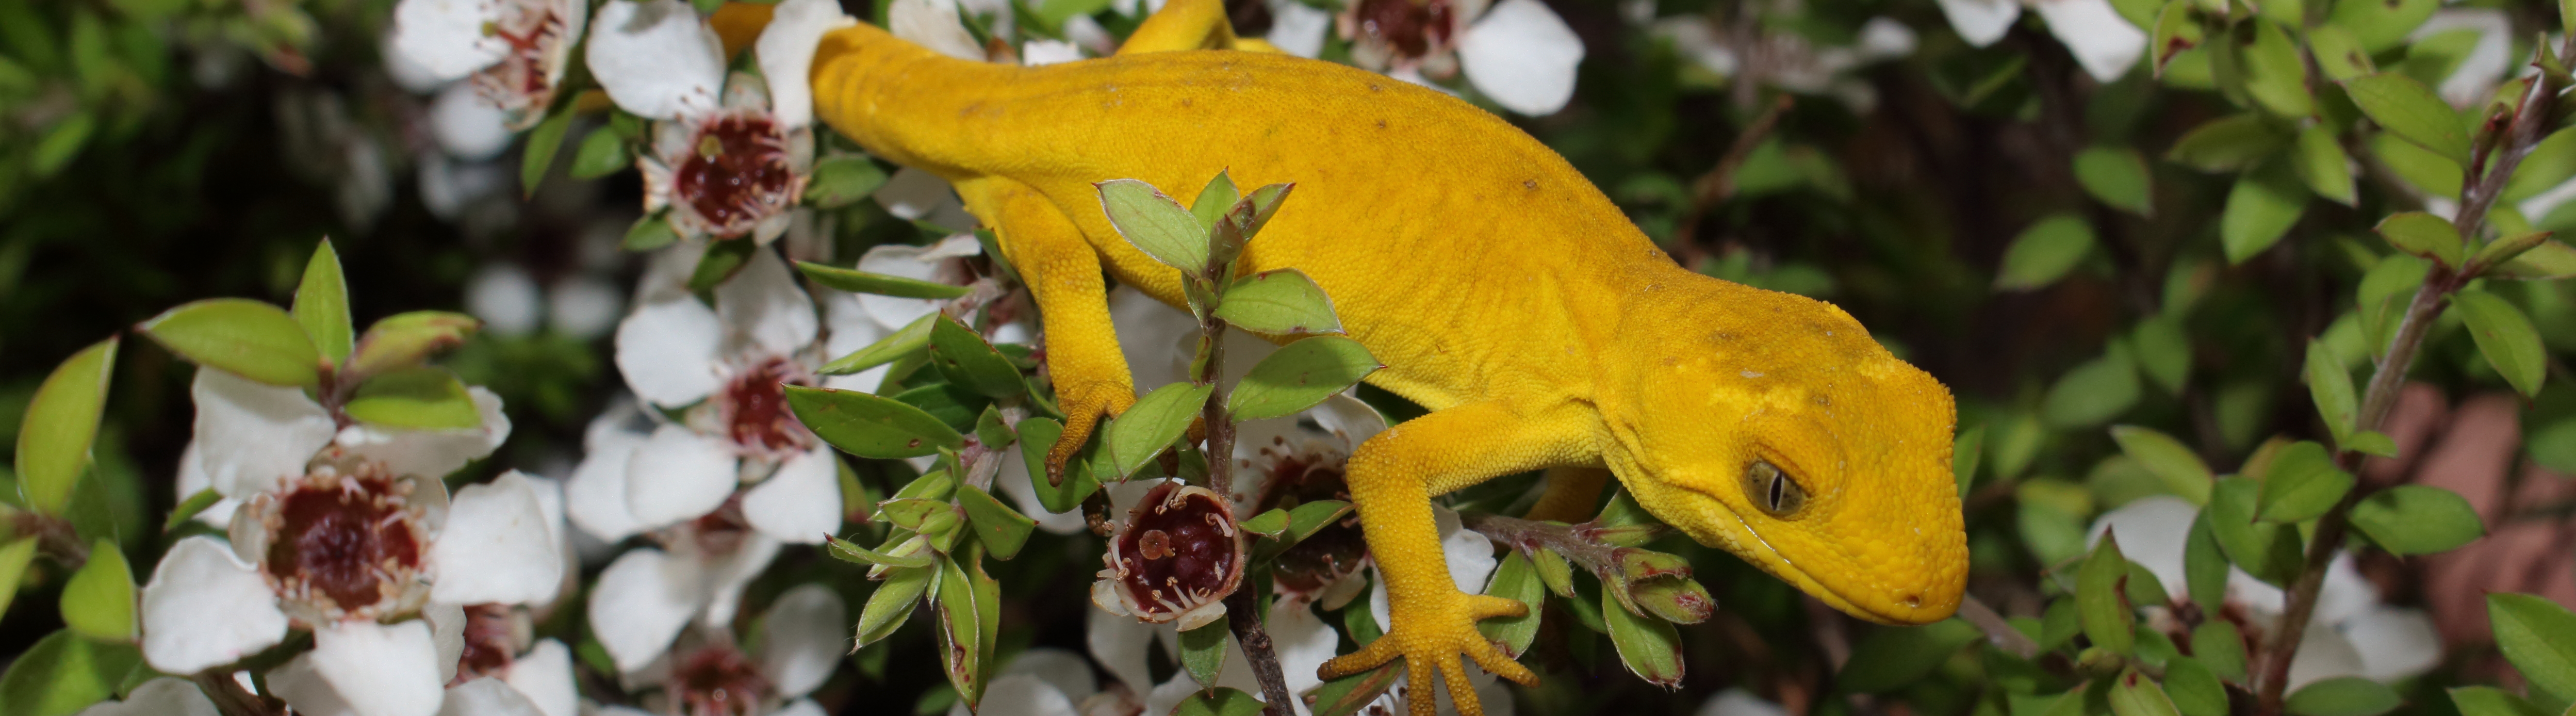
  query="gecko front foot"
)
[
  {"x": 1429, "y": 633},
  {"x": 1084, "y": 403}
]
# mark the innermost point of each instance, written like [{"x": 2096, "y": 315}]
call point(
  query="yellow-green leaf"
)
[
  {"x": 2407, "y": 108},
  {"x": 322, "y": 304},
  {"x": 240, "y": 336},
  {"x": 98, "y": 601},
  {"x": 62, "y": 418},
  {"x": 2505, "y": 337}
]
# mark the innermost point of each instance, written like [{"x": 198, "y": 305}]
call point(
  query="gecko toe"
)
[
  {"x": 1494, "y": 661},
  {"x": 1486, "y": 607}
]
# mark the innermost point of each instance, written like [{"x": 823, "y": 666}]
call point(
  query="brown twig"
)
[
  {"x": 229, "y": 696},
  {"x": 1242, "y": 613},
  {"x": 2480, "y": 188},
  {"x": 1718, "y": 185}
]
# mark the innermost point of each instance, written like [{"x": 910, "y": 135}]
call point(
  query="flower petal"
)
[
  {"x": 786, "y": 54},
  {"x": 801, "y": 502},
  {"x": 1354, "y": 421},
  {"x": 301, "y": 684},
  {"x": 1523, "y": 56},
  {"x": 761, "y": 303},
  {"x": 655, "y": 58},
  {"x": 466, "y": 125},
  {"x": 595, "y": 497},
  {"x": 252, "y": 436},
  {"x": 380, "y": 669},
  {"x": 1981, "y": 22},
  {"x": 544, "y": 675},
  {"x": 1047, "y": 52},
  {"x": 1120, "y": 644},
  {"x": 487, "y": 695},
  {"x": 640, "y": 603},
  {"x": 1061, "y": 669},
  {"x": 678, "y": 475},
  {"x": 496, "y": 547},
  {"x": 432, "y": 453},
  {"x": 728, "y": 576},
  {"x": 2488, "y": 60},
  {"x": 1149, "y": 334},
  {"x": 447, "y": 622},
  {"x": 2323, "y": 654},
  {"x": 1739, "y": 702},
  {"x": 446, "y": 38},
  {"x": 914, "y": 262},
  {"x": 164, "y": 696},
  {"x": 805, "y": 635},
  {"x": 1470, "y": 555},
  {"x": 2394, "y": 642},
  {"x": 2152, "y": 531},
  {"x": 583, "y": 307},
  {"x": 911, "y": 194},
  {"x": 505, "y": 298},
  {"x": 1302, "y": 642},
  {"x": 933, "y": 24},
  {"x": 1021, "y": 695},
  {"x": 204, "y": 608},
  {"x": 801, "y": 707},
  {"x": 667, "y": 350},
  {"x": 2103, "y": 42},
  {"x": 1298, "y": 28},
  {"x": 193, "y": 479}
]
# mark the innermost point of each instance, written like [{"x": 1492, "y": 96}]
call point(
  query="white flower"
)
[
  {"x": 933, "y": 24},
  {"x": 917, "y": 195},
  {"x": 728, "y": 172},
  {"x": 1788, "y": 60},
  {"x": 1738, "y": 702},
  {"x": 164, "y": 696},
  {"x": 505, "y": 297},
  {"x": 655, "y": 59},
  {"x": 2487, "y": 59},
  {"x": 803, "y": 637},
  {"x": 2102, "y": 41},
  {"x": 2350, "y": 634},
  {"x": 1043, "y": 681},
  {"x": 516, "y": 50},
  {"x": 1517, "y": 52}
]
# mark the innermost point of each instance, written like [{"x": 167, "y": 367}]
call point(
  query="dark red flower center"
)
[
  {"x": 721, "y": 531},
  {"x": 718, "y": 681},
  {"x": 488, "y": 645},
  {"x": 343, "y": 539},
  {"x": 1296, "y": 477},
  {"x": 1412, "y": 27},
  {"x": 755, "y": 408},
  {"x": 1180, "y": 549},
  {"x": 735, "y": 173}
]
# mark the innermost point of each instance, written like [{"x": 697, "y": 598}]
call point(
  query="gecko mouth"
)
[{"x": 1902, "y": 609}]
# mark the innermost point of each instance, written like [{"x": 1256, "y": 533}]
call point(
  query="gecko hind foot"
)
[
  {"x": 1084, "y": 405},
  {"x": 1430, "y": 639}
]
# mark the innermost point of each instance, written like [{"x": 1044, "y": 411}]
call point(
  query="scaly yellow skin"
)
[{"x": 1502, "y": 291}]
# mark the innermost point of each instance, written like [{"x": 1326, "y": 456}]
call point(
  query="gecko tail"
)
[{"x": 1190, "y": 25}]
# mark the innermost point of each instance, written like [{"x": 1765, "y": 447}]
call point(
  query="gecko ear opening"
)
[{"x": 1773, "y": 491}]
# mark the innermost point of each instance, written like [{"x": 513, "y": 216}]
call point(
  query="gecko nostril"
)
[{"x": 1912, "y": 601}]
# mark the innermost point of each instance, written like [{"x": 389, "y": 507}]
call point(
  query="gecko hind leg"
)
[
  {"x": 1190, "y": 25},
  {"x": 1063, "y": 270}
]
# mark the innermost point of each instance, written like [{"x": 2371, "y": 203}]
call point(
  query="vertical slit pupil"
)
[{"x": 1776, "y": 479}]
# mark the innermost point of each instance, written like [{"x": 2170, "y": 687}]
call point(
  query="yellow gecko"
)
[{"x": 1502, "y": 290}]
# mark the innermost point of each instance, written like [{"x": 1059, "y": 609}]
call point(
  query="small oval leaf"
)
[
  {"x": 869, "y": 425},
  {"x": 240, "y": 336}
]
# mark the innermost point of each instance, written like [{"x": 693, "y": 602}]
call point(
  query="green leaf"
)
[
  {"x": 893, "y": 602},
  {"x": 969, "y": 362},
  {"x": 1964, "y": 452},
  {"x": 2133, "y": 694},
  {"x": 188, "y": 508},
  {"x": 2276, "y": 73},
  {"x": 2217, "y": 644},
  {"x": 2118, "y": 177},
  {"x": 1155, "y": 224},
  {"x": 2343, "y": 696},
  {"x": 2044, "y": 253},
  {"x": 2423, "y": 235},
  {"x": 912, "y": 338},
  {"x": 240, "y": 336},
  {"x": 843, "y": 180},
  {"x": 2339, "y": 54},
  {"x": 1149, "y": 426},
  {"x": 961, "y": 632},
  {"x": 1268, "y": 525},
  {"x": 1347, "y": 695},
  {"x": 2547, "y": 260},
  {"x": 2204, "y": 564},
  {"x": 1036, "y": 436},
  {"x": 649, "y": 233},
  {"x": 2261, "y": 207},
  {"x": 869, "y": 425},
  {"x": 2229, "y": 143},
  {"x": 723, "y": 259},
  {"x": 420, "y": 398},
  {"x": 856, "y": 281},
  {"x": 2382, "y": 25},
  {"x": 2331, "y": 387},
  {"x": 539, "y": 155},
  {"x": 1002, "y": 529},
  {"x": 2093, "y": 393},
  {"x": 2101, "y": 602},
  {"x": 2418, "y": 519},
  {"x": 1214, "y": 199},
  {"x": 2505, "y": 337},
  {"x": 851, "y": 552},
  {"x": 2301, "y": 484},
  {"x": 404, "y": 340},
  {"x": 2504, "y": 250},
  {"x": 2408, "y": 109},
  {"x": 2175, "y": 31},
  {"x": 2176, "y": 465},
  {"x": 1515, "y": 579},
  {"x": 2372, "y": 442},
  {"x": 2195, "y": 690},
  {"x": 14, "y": 557},
  {"x": 2491, "y": 701},
  {"x": 602, "y": 153},
  {"x": 1279, "y": 302},
  {"x": 1298, "y": 376},
  {"x": 54, "y": 435},
  {"x": 1203, "y": 652},
  {"x": 2323, "y": 166},
  {"x": 953, "y": 405},
  {"x": 2539, "y": 637},
  {"x": 1893, "y": 657},
  {"x": 2268, "y": 551},
  {"x": 2164, "y": 351},
  {"x": 98, "y": 601},
  {"x": 322, "y": 304},
  {"x": 1219, "y": 701},
  {"x": 1651, "y": 648},
  {"x": 61, "y": 143},
  {"x": 919, "y": 515},
  {"x": 63, "y": 674}
]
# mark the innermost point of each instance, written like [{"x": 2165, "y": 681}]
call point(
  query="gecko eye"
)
[{"x": 1772, "y": 490}]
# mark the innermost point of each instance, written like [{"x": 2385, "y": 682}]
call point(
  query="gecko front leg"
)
[
  {"x": 1063, "y": 269},
  {"x": 1392, "y": 478}
]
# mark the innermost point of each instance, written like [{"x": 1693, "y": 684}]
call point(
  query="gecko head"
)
[{"x": 1778, "y": 430}]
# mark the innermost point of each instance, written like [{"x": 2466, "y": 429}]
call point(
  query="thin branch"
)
[
  {"x": 229, "y": 696},
  {"x": 1242, "y": 611},
  {"x": 1718, "y": 184}
]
